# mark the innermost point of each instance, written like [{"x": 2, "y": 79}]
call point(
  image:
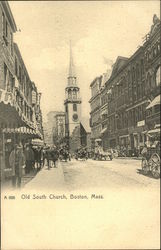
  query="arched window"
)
[
  {"x": 74, "y": 94},
  {"x": 74, "y": 107},
  {"x": 69, "y": 93},
  {"x": 157, "y": 76}
]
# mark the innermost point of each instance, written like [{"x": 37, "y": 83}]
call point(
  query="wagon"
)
[
  {"x": 151, "y": 158},
  {"x": 99, "y": 153}
]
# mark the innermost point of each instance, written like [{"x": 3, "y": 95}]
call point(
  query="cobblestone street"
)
[
  {"x": 85, "y": 175},
  {"x": 116, "y": 193}
]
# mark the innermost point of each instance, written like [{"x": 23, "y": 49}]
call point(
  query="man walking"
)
[
  {"x": 55, "y": 156},
  {"x": 29, "y": 158},
  {"x": 17, "y": 161}
]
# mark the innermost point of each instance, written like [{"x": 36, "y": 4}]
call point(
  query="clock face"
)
[{"x": 75, "y": 117}]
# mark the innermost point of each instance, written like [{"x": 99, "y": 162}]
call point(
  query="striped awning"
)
[
  {"x": 104, "y": 112},
  {"x": 155, "y": 102},
  {"x": 153, "y": 131},
  {"x": 103, "y": 130},
  {"x": 21, "y": 130}
]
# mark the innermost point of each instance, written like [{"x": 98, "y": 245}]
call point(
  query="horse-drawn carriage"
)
[
  {"x": 151, "y": 154},
  {"x": 100, "y": 154},
  {"x": 64, "y": 155},
  {"x": 81, "y": 154}
]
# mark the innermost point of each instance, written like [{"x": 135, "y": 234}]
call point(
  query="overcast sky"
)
[{"x": 100, "y": 31}]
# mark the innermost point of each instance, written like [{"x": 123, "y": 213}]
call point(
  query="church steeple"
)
[
  {"x": 72, "y": 101},
  {"x": 72, "y": 75},
  {"x": 71, "y": 64}
]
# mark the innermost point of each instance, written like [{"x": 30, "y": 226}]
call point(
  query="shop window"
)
[
  {"x": 3, "y": 24},
  {"x": 157, "y": 108},
  {"x": 141, "y": 138},
  {"x": 20, "y": 75},
  {"x": 149, "y": 81},
  {"x": 157, "y": 77},
  {"x": 5, "y": 73},
  {"x": 11, "y": 43}
]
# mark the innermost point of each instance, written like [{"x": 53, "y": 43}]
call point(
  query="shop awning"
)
[
  {"x": 104, "y": 112},
  {"x": 153, "y": 131},
  {"x": 155, "y": 102},
  {"x": 103, "y": 130},
  {"x": 23, "y": 131},
  {"x": 37, "y": 142},
  {"x": 123, "y": 136},
  {"x": 97, "y": 140}
]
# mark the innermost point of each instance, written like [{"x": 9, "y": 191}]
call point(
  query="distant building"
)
[
  {"x": 95, "y": 104},
  {"x": 127, "y": 108},
  {"x": 59, "y": 130},
  {"x": 54, "y": 128}
]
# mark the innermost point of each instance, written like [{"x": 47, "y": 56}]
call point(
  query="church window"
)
[
  {"x": 74, "y": 94},
  {"x": 69, "y": 93},
  {"x": 74, "y": 107}
]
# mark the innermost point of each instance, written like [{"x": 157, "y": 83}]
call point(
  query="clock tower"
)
[{"x": 72, "y": 101}]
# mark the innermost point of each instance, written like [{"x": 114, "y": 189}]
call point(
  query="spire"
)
[{"x": 71, "y": 64}]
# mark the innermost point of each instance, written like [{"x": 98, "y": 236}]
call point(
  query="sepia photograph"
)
[{"x": 80, "y": 124}]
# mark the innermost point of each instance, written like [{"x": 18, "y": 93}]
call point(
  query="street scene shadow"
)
[{"x": 149, "y": 175}]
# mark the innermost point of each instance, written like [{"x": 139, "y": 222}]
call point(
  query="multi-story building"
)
[
  {"x": 131, "y": 97},
  {"x": 95, "y": 104},
  {"x": 152, "y": 59},
  {"x": 19, "y": 98},
  {"x": 59, "y": 134}
]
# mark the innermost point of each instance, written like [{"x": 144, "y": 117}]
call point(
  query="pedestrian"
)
[
  {"x": 44, "y": 155},
  {"x": 17, "y": 161},
  {"x": 29, "y": 158},
  {"x": 39, "y": 158},
  {"x": 55, "y": 155},
  {"x": 48, "y": 156}
]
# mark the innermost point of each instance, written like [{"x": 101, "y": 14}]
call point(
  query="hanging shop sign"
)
[
  {"x": 6, "y": 97},
  {"x": 33, "y": 97},
  {"x": 140, "y": 123}
]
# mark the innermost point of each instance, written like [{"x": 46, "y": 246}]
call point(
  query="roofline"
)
[
  {"x": 97, "y": 77},
  {"x": 139, "y": 50},
  {"x": 18, "y": 53},
  {"x": 9, "y": 14}
]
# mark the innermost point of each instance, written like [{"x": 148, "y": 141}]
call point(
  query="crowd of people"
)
[{"x": 28, "y": 158}]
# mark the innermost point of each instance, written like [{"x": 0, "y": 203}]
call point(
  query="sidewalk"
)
[
  {"x": 52, "y": 179},
  {"x": 129, "y": 157}
]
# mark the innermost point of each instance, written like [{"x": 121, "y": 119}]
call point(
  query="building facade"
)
[
  {"x": 20, "y": 113},
  {"x": 95, "y": 104},
  {"x": 133, "y": 85},
  {"x": 59, "y": 133}
]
